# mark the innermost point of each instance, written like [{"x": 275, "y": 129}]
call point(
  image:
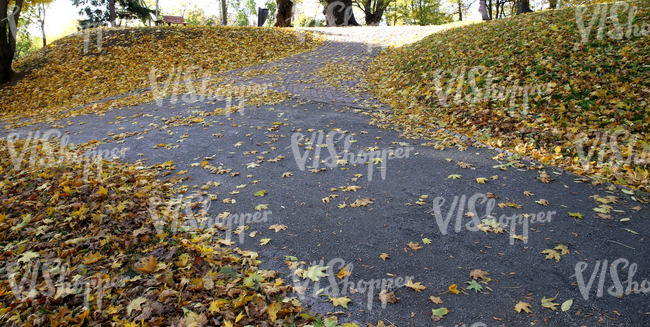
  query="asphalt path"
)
[{"x": 341, "y": 208}]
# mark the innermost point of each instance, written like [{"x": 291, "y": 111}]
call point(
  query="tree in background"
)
[
  {"x": 271, "y": 6},
  {"x": 462, "y": 7},
  {"x": 243, "y": 11},
  {"x": 196, "y": 16},
  {"x": 41, "y": 19},
  {"x": 284, "y": 13},
  {"x": 373, "y": 10},
  {"x": 523, "y": 6},
  {"x": 338, "y": 13},
  {"x": 482, "y": 8},
  {"x": 224, "y": 13},
  {"x": 9, "y": 23},
  {"x": 103, "y": 11},
  {"x": 417, "y": 12}
]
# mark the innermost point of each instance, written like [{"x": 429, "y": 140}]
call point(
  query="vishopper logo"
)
[
  {"x": 616, "y": 290},
  {"x": 600, "y": 15},
  {"x": 487, "y": 222},
  {"x": 168, "y": 220},
  {"x": 89, "y": 28},
  {"x": 371, "y": 156},
  {"x": 342, "y": 287},
  {"x": 44, "y": 153},
  {"x": 98, "y": 28},
  {"x": 203, "y": 91},
  {"x": 11, "y": 18},
  {"x": 30, "y": 286},
  {"x": 610, "y": 149},
  {"x": 329, "y": 13},
  {"x": 445, "y": 82}
]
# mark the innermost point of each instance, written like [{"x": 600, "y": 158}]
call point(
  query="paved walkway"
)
[
  {"x": 414, "y": 219},
  {"x": 334, "y": 73}
]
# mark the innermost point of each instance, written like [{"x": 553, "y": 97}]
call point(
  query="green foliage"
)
[
  {"x": 272, "y": 7},
  {"x": 97, "y": 11},
  {"x": 26, "y": 44},
  {"x": 417, "y": 12},
  {"x": 305, "y": 21},
  {"x": 197, "y": 16},
  {"x": 243, "y": 11}
]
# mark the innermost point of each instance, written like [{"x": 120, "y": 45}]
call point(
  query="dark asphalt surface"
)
[{"x": 320, "y": 232}]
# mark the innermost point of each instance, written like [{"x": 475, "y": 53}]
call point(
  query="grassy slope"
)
[
  {"x": 601, "y": 85},
  {"x": 61, "y": 76}
]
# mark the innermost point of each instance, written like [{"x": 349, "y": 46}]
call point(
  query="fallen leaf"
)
[
  {"x": 523, "y": 306},
  {"x": 414, "y": 246},
  {"x": 135, "y": 305},
  {"x": 417, "y": 286},
  {"x": 478, "y": 273},
  {"x": 150, "y": 265},
  {"x": 341, "y": 301},
  {"x": 474, "y": 285},
  {"x": 92, "y": 257},
  {"x": 551, "y": 254},
  {"x": 575, "y": 214},
  {"x": 439, "y": 312},
  {"x": 278, "y": 228},
  {"x": 548, "y": 303}
]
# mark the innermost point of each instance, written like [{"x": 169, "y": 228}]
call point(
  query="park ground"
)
[{"x": 423, "y": 218}]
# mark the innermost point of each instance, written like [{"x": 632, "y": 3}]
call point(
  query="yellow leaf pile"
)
[
  {"x": 587, "y": 89},
  {"x": 63, "y": 77},
  {"x": 99, "y": 233}
]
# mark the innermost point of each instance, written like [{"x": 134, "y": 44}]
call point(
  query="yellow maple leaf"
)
[
  {"x": 150, "y": 265},
  {"x": 273, "y": 310},
  {"x": 415, "y": 286},
  {"x": 343, "y": 273},
  {"x": 92, "y": 258},
  {"x": 523, "y": 306},
  {"x": 341, "y": 301},
  {"x": 454, "y": 289}
]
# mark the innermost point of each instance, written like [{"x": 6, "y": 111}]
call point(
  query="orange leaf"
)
[{"x": 150, "y": 265}]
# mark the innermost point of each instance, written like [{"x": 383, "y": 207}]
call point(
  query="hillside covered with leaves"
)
[
  {"x": 88, "y": 67},
  {"x": 579, "y": 86}
]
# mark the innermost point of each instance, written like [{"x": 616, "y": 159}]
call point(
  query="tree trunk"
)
[
  {"x": 224, "y": 13},
  {"x": 523, "y": 6},
  {"x": 483, "y": 10},
  {"x": 283, "y": 14},
  {"x": 552, "y": 4},
  {"x": 490, "y": 8},
  {"x": 41, "y": 11},
  {"x": 111, "y": 12},
  {"x": 8, "y": 38},
  {"x": 460, "y": 10},
  {"x": 339, "y": 13},
  {"x": 374, "y": 19}
]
